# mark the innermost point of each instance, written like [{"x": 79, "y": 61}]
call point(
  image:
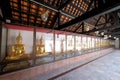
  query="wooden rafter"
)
[
  {"x": 92, "y": 13},
  {"x": 28, "y": 18},
  {"x": 35, "y": 20},
  {"x": 78, "y": 27},
  {"x": 64, "y": 4},
  {"x": 103, "y": 28},
  {"x": 90, "y": 4}
]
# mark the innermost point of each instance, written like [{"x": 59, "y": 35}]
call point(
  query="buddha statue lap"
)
[
  {"x": 40, "y": 49},
  {"x": 18, "y": 50}
]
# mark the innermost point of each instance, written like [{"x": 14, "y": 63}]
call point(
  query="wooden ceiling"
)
[
  {"x": 29, "y": 13},
  {"x": 60, "y": 12}
]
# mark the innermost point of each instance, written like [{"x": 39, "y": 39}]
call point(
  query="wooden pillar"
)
[
  {"x": 90, "y": 42},
  {"x": 34, "y": 45},
  {"x": 86, "y": 42},
  {"x": 54, "y": 40},
  {"x": 0, "y": 40},
  {"x": 95, "y": 43},
  {"x": 66, "y": 44},
  {"x": 82, "y": 41},
  {"x": 3, "y": 41},
  {"x": 74, "y": 43},
  {"x": 99, "y": 42}
]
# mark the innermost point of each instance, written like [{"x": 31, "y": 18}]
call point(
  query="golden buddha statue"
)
[
  {"x": 18, "y": 49},
  {"x": 40, "y": 49}
]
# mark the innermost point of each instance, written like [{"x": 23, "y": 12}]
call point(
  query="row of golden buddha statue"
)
[{"x": 18, "y": 50}]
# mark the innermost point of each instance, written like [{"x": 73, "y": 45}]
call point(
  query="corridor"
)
[{"x": 104, "y": 68}]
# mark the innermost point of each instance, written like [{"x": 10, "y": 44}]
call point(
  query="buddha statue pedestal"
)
[
  {"x": 15, "y": 66},
  {"x": 40, "y": 49}
]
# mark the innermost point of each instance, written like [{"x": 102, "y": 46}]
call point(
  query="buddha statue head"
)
[{"x": 19, "y": 39}]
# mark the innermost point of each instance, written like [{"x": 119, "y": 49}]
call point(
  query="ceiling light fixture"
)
[
  {"x": 117, "y": 38},
  {"x": 87, "y": 28},
  {"x": 44, "y": 15},
  {"x": 110, "y": 36},
  {"x": 102, "y": 33},
  {"x": 97, "y": 32},
  {"x": 114, "y": 37},
  {"x": 105, "y": 37}
]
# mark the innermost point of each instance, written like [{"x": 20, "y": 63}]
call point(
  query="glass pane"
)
[
  {"x": 70, "y": 45},
  {"x": 17, "y": 48},
  {"x": 60, "y": 46},
  {"x": 44, "y": 47},
  {"x": 78, "y": 45}
]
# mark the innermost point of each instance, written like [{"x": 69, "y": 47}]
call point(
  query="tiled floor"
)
[{"x": 105, "y": 68}]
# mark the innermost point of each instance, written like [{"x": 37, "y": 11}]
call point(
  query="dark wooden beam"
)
[
  {"x": 107, "y": 8},
  {"x": 64, "y": 4},
  {"x": 76, "y": 7},
  {"x": 54, "y": 20},
  {"x": 19, "y": 7},
  {"x": 37, "y": 10},
  {"x": 28, "y": 18},
  {"x": 106, "y": 18},
  {"x": 78, "y": 27},
  {"x": 46, "y": 22},
  {"x": 100, "y": 29},
  {"x": 6, "y": 9},
  {"x": 89, "y": 5},
  {"x": 57, "y": 16},
  {"x": 103, "y": 23},
  {"x": 114, "y": 33},
  {"x": 41, "y": 2},
  {"x": 0, "y": 41},
  {"x": 58, "y": 3},
  {"x": 97, "y": 21},
  {"x": 83, "y": 28},
  {"x": 1, "y": 18}
]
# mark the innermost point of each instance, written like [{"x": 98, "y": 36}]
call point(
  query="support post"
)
[
  {"x": 34, "y": 45},
  {"x": 74, "y": 44},
  {"x": 0, "y": 46},
  {"x": 66, "y": 43},
  {"x": 54, "y": 44}
]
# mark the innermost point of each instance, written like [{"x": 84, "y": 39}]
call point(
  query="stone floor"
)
[{"x": 105, "y": 68}]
